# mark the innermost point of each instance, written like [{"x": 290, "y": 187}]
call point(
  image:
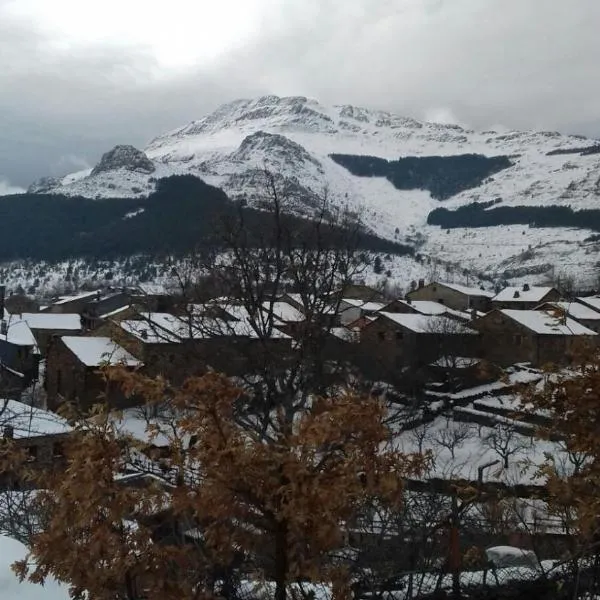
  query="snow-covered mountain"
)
[{"x": 295, "y": 138}]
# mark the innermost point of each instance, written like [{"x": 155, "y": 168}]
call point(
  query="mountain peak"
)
[{"x": 124, "y": 157}]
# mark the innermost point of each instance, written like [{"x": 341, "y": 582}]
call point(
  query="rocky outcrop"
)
[
  {"x": 124, "y": 157},
  {"x": 44, "y": 185}
]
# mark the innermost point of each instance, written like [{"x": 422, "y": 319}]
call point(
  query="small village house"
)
[
  {"x": 45, "y": 326},
  {"x": 428, "y": 307},
  {"x": 71, "y": 304},
  {"x": 362, "y": 292},
  {"x": 104, "y": 306},
  {"x": 73, "y": 372},
  {"x": 397, "y": 340},
  {"x": 456, "y": 296},
  {"x": 40, "y": 432},
  {"x": 351, "y": 310},
  {"x": 19, "y": 357},
  {"x": 179, "y": 347},
  {"x": 525, "y": 297},
  {"x": 533, "y": 336}
]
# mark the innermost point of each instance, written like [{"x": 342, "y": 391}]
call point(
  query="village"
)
[{"x": 450, "y": 360}]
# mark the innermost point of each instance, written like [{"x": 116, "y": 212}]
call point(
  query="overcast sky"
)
[{"x": 77, "y": 77}]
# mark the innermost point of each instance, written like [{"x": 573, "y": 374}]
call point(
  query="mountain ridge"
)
[{"x": 295, "y": 137}]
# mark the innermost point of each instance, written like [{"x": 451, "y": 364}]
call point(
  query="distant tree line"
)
[
  {"x": 178, "y": 217},
  {"x": 442, "y": 176},
  {"x": 480, "y": 214},
  {"x": 582, "y": 151}
]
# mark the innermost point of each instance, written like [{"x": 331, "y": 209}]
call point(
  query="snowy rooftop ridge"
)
[
  {"x": 522, "y": 294},
  {"x": 544, "y": 323},
  {"x": 469, "y": 291},
  {"x": 57, "y": 321},
  {"x": 97, "y": 351},
  {"x": 428, "y": 323}
]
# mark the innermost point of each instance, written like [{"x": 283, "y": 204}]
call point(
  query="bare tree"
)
[{"x": 452, "y": 437}]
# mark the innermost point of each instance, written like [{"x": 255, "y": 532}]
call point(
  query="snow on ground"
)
[{"x": 11, "y": 588}]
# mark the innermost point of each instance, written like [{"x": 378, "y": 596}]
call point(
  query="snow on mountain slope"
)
[{"x": 294, "y": 138}]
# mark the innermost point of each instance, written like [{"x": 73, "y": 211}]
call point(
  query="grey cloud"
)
[{"x": 519, "y": 63}]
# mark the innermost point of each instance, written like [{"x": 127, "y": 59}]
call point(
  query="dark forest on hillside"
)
[
  {"x": 182, "y": 214},
  {"x": 442, "y": 176},
  {"x": 479, "y": 214}
]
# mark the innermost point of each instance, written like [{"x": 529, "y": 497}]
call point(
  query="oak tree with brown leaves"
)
[{"x": 223, "y": 501}]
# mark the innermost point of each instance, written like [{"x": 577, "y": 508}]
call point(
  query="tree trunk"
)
[{"x": 281, "y": 561}]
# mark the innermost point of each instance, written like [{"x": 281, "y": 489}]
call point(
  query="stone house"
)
[
  {"x": 71, "y": 304},
  {"x": 397, "y": 340},
  {"x": 532, "y": 336},
  {"x": 428, "y": 307},
  {"x": 19, "y": 357},
  {"x": 577, "y": 311},
  {"x": 351, "y": 310},
  {"x": 73, "y": 372},
  {"x": 178, "y": 348},
  {"x": 525, "y": 297},
  {"x": 40, "y": 432},
  {"x": 362, "y": 292},
  {"x": 453, "y": 295},
  {"x": 45, "y": 326},
  {"x": 102, "y": 307}
]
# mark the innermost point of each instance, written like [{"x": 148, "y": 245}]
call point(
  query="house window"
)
[
  {"x": 399, "y": 335},
  {"x": 58, "y": 382},
  {"x": 381, "y": 336},
  {"x": 435, "y": 288},
  {"x": 58, "y": 450},
  {"x": 32, "y": 453},
  {"x": 518, "y": 340}
]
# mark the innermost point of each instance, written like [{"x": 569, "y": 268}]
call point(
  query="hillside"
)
[
  {"x": 396, "y": 171},
  {"x": 180, "y": 215}
]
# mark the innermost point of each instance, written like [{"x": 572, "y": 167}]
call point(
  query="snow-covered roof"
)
[
  {"x": 97, "y": 351},
  {"x": 427, "y": 323},
  {"x": 158, "y": 328},
  {"x": 115, "y": 312},
  {"x": 577, "y": 311},
  {"x": 365, "y": 305},
  {"x": 57, "y": 321},
  {"x": 82, "y": 296},
  {"x": 164, "y": 328},
  {"x": 544, "y": 323},
  {"x": 469, "y": 291},
  {"x": 285, "y": 312},
  {"x": 593, "y": 301},
  {"x": 19, "y": 333},
  {"x": 28, "y": 421},
  {"x": 522, "y": 294},
  {"x": 429, "y": 307}
]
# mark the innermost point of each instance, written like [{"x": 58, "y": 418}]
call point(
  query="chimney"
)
[
  {"x": 516, "y": 294},
  {"x": 3, "y": 327},
  {"x": 144, "y": 333},
  {"x": 526, "y": 287},
  {"x": 408, "y": 301},
  {"x": 421, "y": 283},
  {"x": 9, "y": 432}
]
